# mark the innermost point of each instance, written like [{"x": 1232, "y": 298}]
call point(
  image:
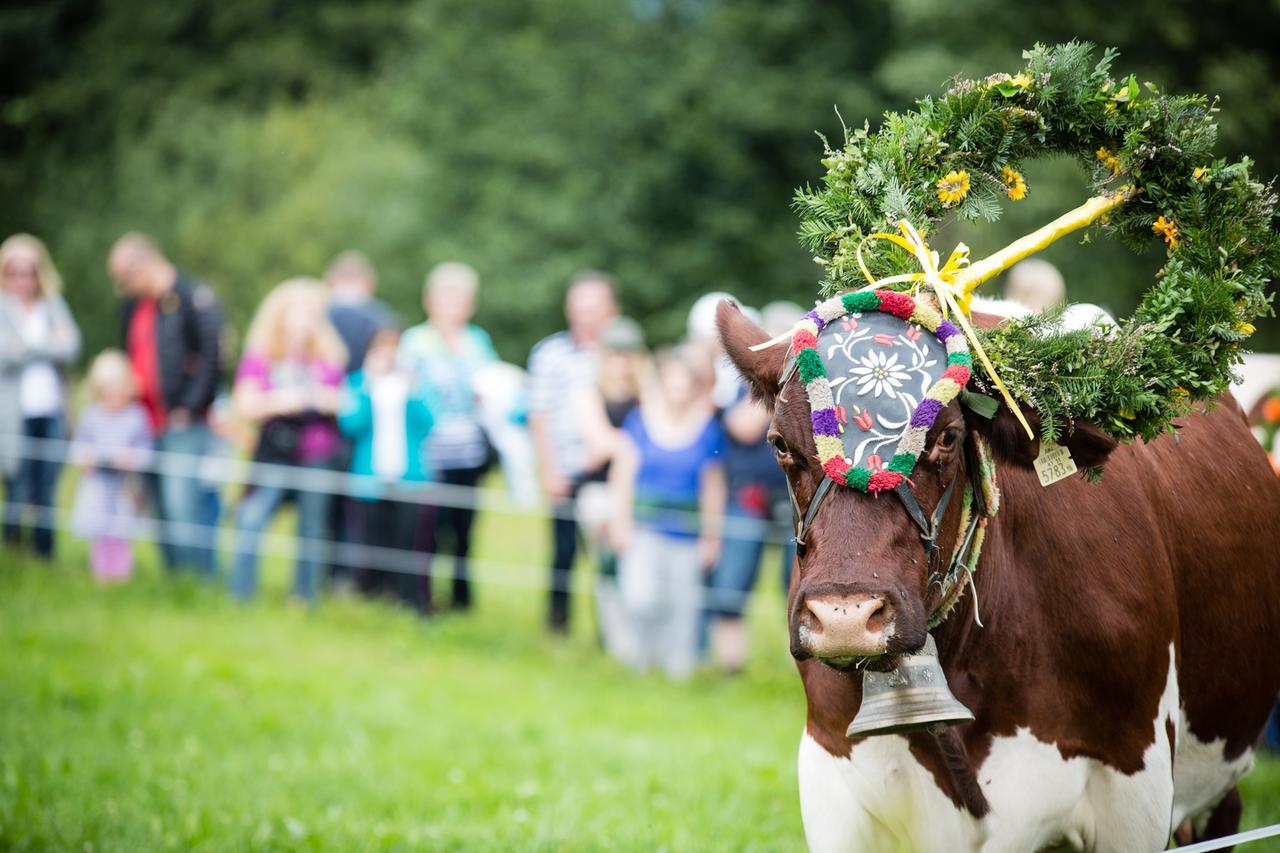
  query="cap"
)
[{"x": 623, "y": 334}]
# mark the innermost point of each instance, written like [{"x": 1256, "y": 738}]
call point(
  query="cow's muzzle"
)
[{"x": 841, "y": 627}]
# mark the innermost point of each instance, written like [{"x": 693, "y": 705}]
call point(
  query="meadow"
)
[{"x": 160, "y": 716}]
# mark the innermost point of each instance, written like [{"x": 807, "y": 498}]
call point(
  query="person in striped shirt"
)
[{"x": 561, "y": 368}]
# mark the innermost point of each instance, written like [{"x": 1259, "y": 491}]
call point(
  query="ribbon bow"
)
[{"x": 954, "y": 293}]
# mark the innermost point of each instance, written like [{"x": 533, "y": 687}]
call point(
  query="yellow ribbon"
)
[{"x": 954, "y": 294}]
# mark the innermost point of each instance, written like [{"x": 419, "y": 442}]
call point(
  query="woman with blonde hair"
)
[
  {"x": 38, "y": 341},
  {"x": 288, "y": 385}
]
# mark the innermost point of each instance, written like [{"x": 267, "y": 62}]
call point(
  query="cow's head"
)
[{"x": 861, "y": 592}]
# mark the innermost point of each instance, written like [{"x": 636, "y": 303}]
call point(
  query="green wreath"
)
[{"x": 1149, "y": 158}]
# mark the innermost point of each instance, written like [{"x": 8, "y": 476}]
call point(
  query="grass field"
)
[{"x": 162, "y": 716}]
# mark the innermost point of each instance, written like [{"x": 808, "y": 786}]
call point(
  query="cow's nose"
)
[{"x": 847, "y": 626}]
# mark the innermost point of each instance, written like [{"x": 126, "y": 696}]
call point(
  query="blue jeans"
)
[
  {"x": 746, "y": 531},
  {"x": 188, "y": 532},
  {"x": 739, "y": 565},
  {"x": 33, "y": 487},
  {"x": 255, "y": 512}
]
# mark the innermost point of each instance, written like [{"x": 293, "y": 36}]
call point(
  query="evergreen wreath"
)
[{"x": 1148, "y": 154}]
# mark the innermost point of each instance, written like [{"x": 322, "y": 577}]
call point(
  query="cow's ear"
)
[
  {"x": 761, "y": 368},
  {"x": 1089, "y": 445}
]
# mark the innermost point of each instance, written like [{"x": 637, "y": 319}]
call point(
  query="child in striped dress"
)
[{"x": 112, "y": 442}]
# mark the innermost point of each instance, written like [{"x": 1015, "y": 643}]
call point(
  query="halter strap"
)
[
  {"x": 800, "y": 523},
  {"x": 930, "y": 525}
]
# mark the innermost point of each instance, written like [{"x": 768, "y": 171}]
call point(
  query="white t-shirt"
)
[
  {"x": 39, "y": 390},
  {"x": 389, "y": 396}
]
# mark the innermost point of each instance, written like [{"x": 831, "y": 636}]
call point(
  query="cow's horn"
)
[{"x": 912, "y": 696}]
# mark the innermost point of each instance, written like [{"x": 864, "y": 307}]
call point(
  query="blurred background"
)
[{"x": 659, "y": 140}]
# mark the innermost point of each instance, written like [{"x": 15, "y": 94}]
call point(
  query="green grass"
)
[{"x": 162, "y": 716}]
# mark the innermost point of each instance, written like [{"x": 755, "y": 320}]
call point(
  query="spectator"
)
[
  {"x": 1035, "y": 284},
  {"x": 38, "y": 341},
  {"x": 357, "y": 316},
  {"x": 388, "y": 419},
  {"x": 700, "y": 331},
  {"x": 288, "y": 384},
  {"x": 778, "y": 318},
  {"x": 172, "y": 333},
  {"x": 353, "y": 310},
  {"x": 669, "y": 494},
  {"x": 112, "y": 441},
  {"x": 445, "y": 354},
  {"x": 755, "y": 487},
  {"x": 624, "y": 370},
  {"x": 560, "y": 367}
]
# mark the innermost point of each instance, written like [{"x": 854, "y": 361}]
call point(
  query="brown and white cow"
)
[{"x": 1129, "y": 655}]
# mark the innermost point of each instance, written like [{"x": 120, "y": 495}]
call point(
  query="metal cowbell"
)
[{"x": 911, "y": 697}]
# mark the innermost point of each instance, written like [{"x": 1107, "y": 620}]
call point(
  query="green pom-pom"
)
[
  {"x": 810, "y": 365},
  {"x": 902, "y": 463},
  {"x": 857, "y": 478},
  {"x": 960, "y": 358},
  {"x": 861, "y": 300}
]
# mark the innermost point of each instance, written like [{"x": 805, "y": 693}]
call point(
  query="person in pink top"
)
[{"x": 288, "y": 384}]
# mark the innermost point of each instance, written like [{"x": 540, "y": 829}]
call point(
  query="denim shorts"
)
[{"x": 729, "y": 586}]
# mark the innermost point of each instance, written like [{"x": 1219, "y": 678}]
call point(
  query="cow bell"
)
[{"x": 912, "y": 696}]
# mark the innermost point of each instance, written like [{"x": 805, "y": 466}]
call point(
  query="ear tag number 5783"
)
[{"x": 1054, "y": 463}]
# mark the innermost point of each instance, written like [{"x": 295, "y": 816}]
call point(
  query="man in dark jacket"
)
[{"x": 172, "y": 333}]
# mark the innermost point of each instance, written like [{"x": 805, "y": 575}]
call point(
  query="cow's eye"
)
[
  {"x": 948, "y": 438},
  {"x": 779, "y": 444}
]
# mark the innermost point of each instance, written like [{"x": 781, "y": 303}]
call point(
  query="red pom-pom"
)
[
  {"x": 899, "y": 305},
  {"x": 803, "y": 339},
  {"x": 958, "y": 372},
  {"x": 835, "y": 468},
  {"x": 884, "y": 481}
]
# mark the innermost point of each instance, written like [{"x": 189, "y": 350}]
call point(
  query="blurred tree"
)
[{"x": 657, "y": 138}]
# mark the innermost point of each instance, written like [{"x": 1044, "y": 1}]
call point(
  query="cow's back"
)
[{"x": 1219, "y": 505}]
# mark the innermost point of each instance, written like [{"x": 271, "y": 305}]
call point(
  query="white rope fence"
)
[
  {"x": 223, "y": 474},
  {"x": 1230, "y": 840},
  {"x": 223, "y": 471}
]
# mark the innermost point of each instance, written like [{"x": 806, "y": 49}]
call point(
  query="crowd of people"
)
[{"x": 654, "y": 464}]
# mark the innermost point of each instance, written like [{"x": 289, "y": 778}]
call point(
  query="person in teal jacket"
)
[{"x": 388, "y": 417}]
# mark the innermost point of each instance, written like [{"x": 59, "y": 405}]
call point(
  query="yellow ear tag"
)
[{"x": 1054, "y": 463}]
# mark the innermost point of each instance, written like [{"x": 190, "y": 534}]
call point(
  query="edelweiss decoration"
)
[
  {"x": 1149, "y": 158},
  {"x": 878, "y": 366}
]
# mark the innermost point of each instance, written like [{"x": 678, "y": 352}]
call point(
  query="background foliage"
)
[{"x": 661, "y": 139}]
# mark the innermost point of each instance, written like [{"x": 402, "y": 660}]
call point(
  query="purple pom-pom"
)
[
  {"x": 813, "y": 315},
  {"x": 945, "y": 330},
  {"x": 824, "y": 422},
  {"x": 926, "y": 413}
]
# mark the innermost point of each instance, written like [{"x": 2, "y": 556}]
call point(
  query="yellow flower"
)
[
  {"x": 1243, "y": 328},
  {"x": 954, "y": 187},
  {"x": 1110, "y": 107},
  {"x": 1015, "y": 184},
  {"x": 1167, "y": 229},
  {"x": 1108, "y": 159},
  {"x": 1179, "y": 392},
  {"x": 1022, "y": 80},
  {"x": 1200, "y": 175}
]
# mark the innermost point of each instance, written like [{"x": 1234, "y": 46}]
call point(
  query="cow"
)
[{"x": 1127, "y": 657}]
